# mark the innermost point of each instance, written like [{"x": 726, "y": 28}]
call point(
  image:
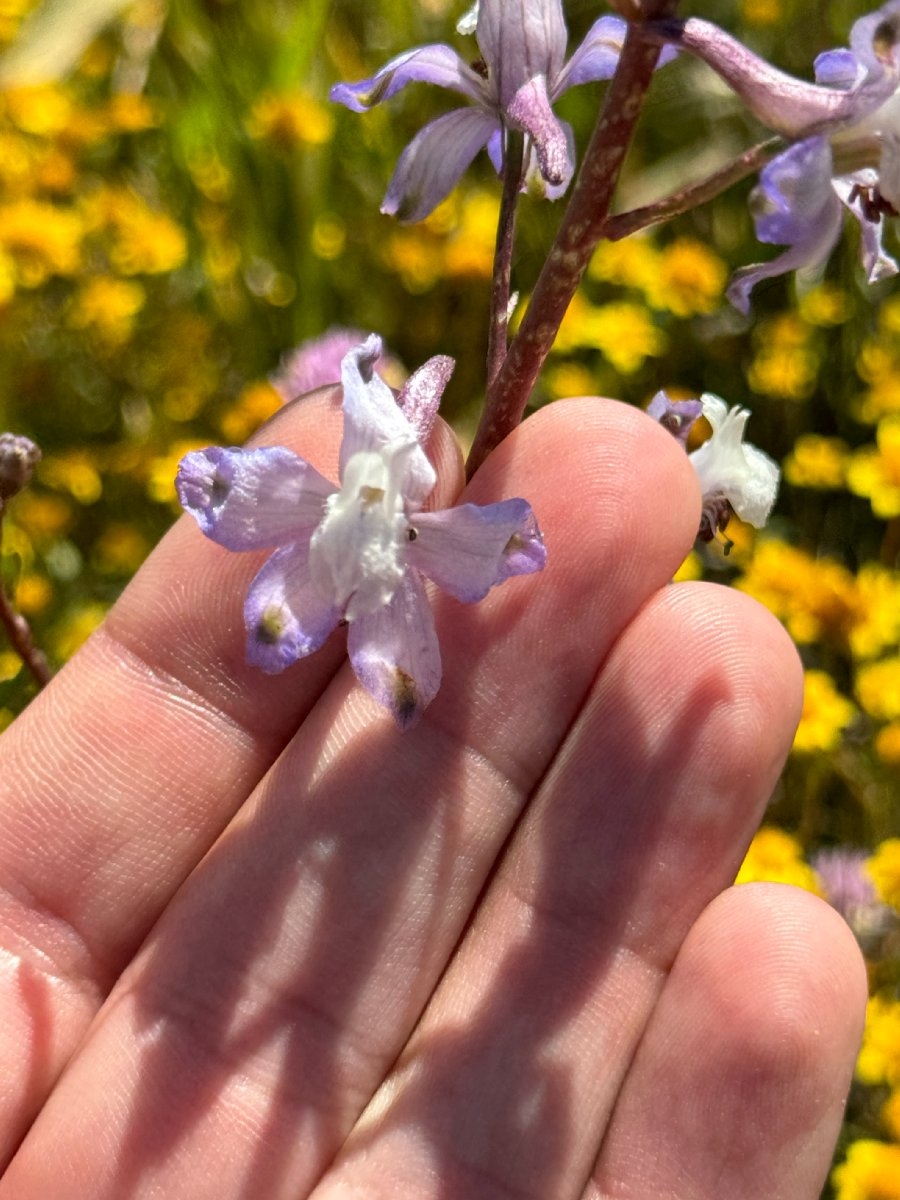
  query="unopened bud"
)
[{"x": 18, "y": 456}]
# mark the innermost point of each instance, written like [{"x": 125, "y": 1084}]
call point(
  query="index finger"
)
[{"x": 123, "y": 772}]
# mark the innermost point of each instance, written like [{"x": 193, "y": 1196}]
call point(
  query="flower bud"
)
[{"x": 18, "y": 456}]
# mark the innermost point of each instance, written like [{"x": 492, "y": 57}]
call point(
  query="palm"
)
[{"x": 482, "y": 959}]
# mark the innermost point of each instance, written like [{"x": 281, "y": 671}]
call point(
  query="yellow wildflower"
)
[
  {"x": 884, "y": 869},
  {"x": 73, "y": 471},
  {"x": 874, "y": 471},
  {"x": 42, "y": 239},
  {"x": 255, "y": 404},
  {"x": 871, "y": 1171},
  {"x": 876, "y": 620},
  {"x": 879, "y": 1055},
  {"x": 41, "y": 109},
  {"x": 762, "y": 12},
  {"x": 107, "y": 306},
  {"x": 42, "y": 515},
  {"x": 120, "y": 549},
  {"x": 10, "y": 665},
  {"x": 290, "y": 119},
  {"x": 470, "y": 249},
  {"x": 690, "y": 279},
  {"x": 690, "y": 569},
  {"x": 825, "y": 304},
  {"x": 890, "y": 1114},
  {"x": 569, "y": 379},
  {"x": 817, "y": 462},
  {"x": 411, "y": 254},
  {"x": 131, "y": 112},
  {"x": 878, "y": 688},
  {"x": 826, "y": 713},
  {"x": 75, "y": 628},
  {"x": 815, "y": 598},
  {"x": 138, "y": 238},
  {"x": 162, "y": 469},
  {"x": 625, "y": 335},
  {"x": 33, "y": 593},
  {"x": 632, "y": 262},
  {"x": 886, "y": 744},
  {"x": 775, "y": 856},
  {"x": 328, "y": 237}
]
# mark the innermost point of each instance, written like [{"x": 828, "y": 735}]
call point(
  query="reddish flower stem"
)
[
  {"x": 581, "y": 229},
  {"x": 620, "y": 225},
  {"x": 503, "y": 252}
]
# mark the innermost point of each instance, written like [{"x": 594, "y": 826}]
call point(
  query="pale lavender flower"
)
[
  {"x": 359, "y": 553},
  {"x": 848, "y": 888},
  {"x": 734, "y": 476},
  {"x": 848, "y": 157},
  {"x": 678, "y": 416},
  {"x": 522, "y": 72},
  {"x": 317, "y": 362}
]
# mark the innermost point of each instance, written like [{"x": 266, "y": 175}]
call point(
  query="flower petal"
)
[
  {"x": 729, "y": 468},
  {"x": 597, "y": 57},
  {"x": 530, "y": 109},
  {"x": 876, "y": 262},
  {"x": 251, "y": 499},
  {"x": 395, "y": 652},
  {"x": 285, "y": 614},
  {"x": 373, "y": 420},
  {"x": 788, "y": 105},
  {"x": 469, "y": 549},
  {"x": 420, "y": 397},
  {"x": 838, "y": 69},
  {"x": 430, "y": 166},
  {"x": 520, "y": 39},
  {"x": 677, "y": 416},
  {"x": 796, "y": 206},
  {"x": 436, "y": 64}
]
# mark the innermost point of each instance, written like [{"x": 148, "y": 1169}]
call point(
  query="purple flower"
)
[
  {"x": 522, "y": 72},
  {"x": 848, "y": 888},
  {"x": 678, "y": 416},
  {"x": 358, "y": 553},
  {"x": 317, "y": 362},
  {"x": 849, "y": 153}
]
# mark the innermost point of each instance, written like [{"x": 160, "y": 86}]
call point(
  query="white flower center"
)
[{"x": 354, "y": 554}]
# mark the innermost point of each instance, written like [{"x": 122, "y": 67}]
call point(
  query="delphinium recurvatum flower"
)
[
  {"x": 521, "y": 73},
  {"x": 359, "y": 553},
  {"x": 845, "y": 151},
  {"x": 734, "y": 476}
]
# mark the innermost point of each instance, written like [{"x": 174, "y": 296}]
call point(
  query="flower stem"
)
[
  {"x": 581, "y": 229},
  {"x": 620, "y": 225},
  {"x": 513, "y": 156},
  {"x": 19, "y": 632}
]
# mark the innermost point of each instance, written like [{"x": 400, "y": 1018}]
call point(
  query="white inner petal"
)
[{"x": 355, "y": 553}]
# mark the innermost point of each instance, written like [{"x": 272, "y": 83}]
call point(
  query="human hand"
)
[{"x": 259, "y": 944}]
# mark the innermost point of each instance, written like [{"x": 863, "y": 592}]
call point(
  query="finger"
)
[
  {"x": 511, "y": 1077},
  {"x": 271, "y": 999},
  {"x": 120, "y": 775},
  {"x": 739, "y": 1084}
]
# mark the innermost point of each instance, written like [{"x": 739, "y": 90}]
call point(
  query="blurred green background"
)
[{"x": 181, "y": 208}]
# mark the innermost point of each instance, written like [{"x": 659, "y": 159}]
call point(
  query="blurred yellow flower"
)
[
  {"x": 890, "y": 1114},
  {"x": 138, "y": 239},
  {"x": 815, "y": 598},
  {"x": 74, "y": 628},
  {"x": 878, "y": 688},
  {"x": 871, "y": 1171},
  {"x": 120, "y": 549},
  {"x": 42, "y": 239},
  {"x": 874, "y": 471},
  {"x": 817, "y": 462},
  {"x": 131, "y": 112},
  {"x": 569, "y": 379},
  {"x": 42, "y": 109},
  {"x": 623, "y": 332},
  {"x": 879, "y": 1055},
  {"x": 290, "y": 119},
  {"x": 633, "y": 262},
  {"x": 412, "y": 254},
  {"x": 42, "y": 515},
  {"x": 690, "y": 569},
  {"x": 775, "y": 856},
  {"x": 470, "y": 248},
  {"x": 10, "y": 666},
  {"x": 162, "y": 469},
  {"x": 876, "y": 620},
  {"x": 255, "y": 404},
  {"x": 884, "y": 870},
  {"x": 689, "y": 279},
  {"x": 826, "y": 713},
  {"x": 73, "y": 471},
  {"x": 826, "y": 304},
  {"x": 33, "y": 593},
  {"x": 107, "y": 306},
  {"x": 887, "y": 744},
  {"x": 762, "y": 12}
]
